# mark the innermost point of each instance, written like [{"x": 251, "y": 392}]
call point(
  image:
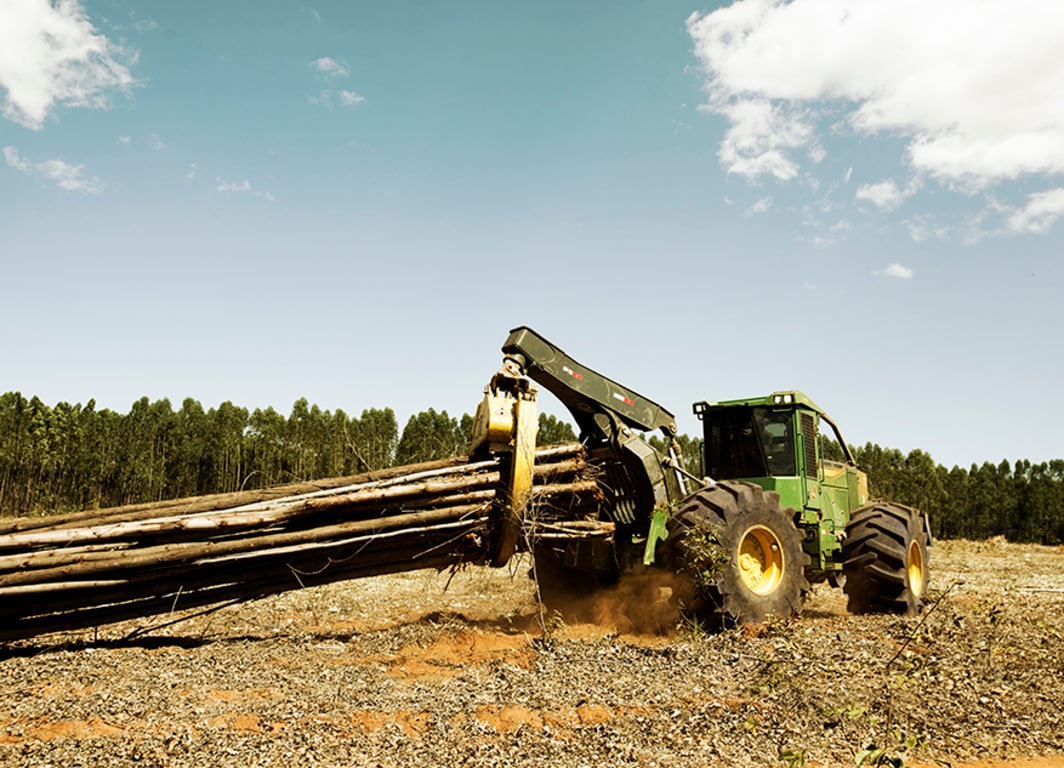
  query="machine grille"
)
[
  {"x": 809, "y": 440},
  {"x": 621, "y": 493}
]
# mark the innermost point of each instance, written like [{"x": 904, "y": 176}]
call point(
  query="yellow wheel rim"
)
[
  {"x": 916, "y": 569},
  {"x": 761, "y": 560}
]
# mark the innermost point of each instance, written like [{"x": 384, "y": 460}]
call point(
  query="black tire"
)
[
  {"x": 740, "y": 553},
  {"x": 886, "y": 560}
]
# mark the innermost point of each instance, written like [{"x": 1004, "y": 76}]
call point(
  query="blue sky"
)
[{"x": 354, "y": 203}]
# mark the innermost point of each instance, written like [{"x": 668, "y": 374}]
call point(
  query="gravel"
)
[{"x": 457, "y": 669}]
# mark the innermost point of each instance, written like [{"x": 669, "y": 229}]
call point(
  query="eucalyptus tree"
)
[{"x": 430, "y": 435}]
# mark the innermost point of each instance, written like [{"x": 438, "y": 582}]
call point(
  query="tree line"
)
[
  {"x": 60, "y": 458},
  {"x": 71, "y": 457},
  {"x": 1021, "y": 500}
]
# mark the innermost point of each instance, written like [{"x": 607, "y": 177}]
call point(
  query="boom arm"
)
[
  {"x": 607, "y": 414},
  {"x": 584, "y": 392}
]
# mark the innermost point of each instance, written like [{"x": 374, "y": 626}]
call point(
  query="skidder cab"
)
[{"x": 779, "y": 443}]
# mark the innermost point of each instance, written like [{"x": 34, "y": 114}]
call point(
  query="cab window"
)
[
  {"x": 732, "y": 445},
  {"x": 777, "y": 441}
]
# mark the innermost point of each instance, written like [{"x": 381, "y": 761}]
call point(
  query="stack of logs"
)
[{"x": 92, "y": 568}]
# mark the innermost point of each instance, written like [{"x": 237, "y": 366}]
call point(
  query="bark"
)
[{"x": 107, "y": 565}]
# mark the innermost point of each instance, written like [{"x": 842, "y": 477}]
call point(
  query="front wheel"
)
[
  {"x": 740, "y": 553},
  {"x": 886, "y": 560}
]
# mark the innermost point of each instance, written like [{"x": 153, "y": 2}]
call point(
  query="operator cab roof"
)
[{"x": 776, "y": 399}]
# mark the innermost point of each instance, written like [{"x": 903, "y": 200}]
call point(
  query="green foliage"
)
[
  {"x": 430, "y": 435},
  {"x": 75, "y": 457},
  {"x": 1023, "y": 502},
  {"x": 692, "y": 625},
  {"x": 67, "y": 457},
  {"x": 690, "y": 450},
  {"x": 793, "y": 758},
  {"x": 830, "y": 448},
  {"x": 878, "y": 756},
  {"x": 692, "y": 454},
  {"x": 374, "y": 438},
  {"x": 554, "y": 431},
  {"x": 704, "y": 559}
]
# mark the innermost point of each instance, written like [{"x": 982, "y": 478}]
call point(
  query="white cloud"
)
[
  {"x": 234, "y": 186},
  {"x": 330, "y": 67},
  {"x": 923, "y": 227},
  {"x": 125, "y": 139},
  {"x": 50, "y": 54},
  {"x": 887, "y": 195},
  {"x": 329, "y": 99},
  {"x": 898, "y": 271},
  {"x": 972, "y": 88},
  {"x": 760, "y": 136},
  {"x": 14, "y": 159},
  {"x": 69, "y": 176},
  {"x": 66, "y": 175},
  {"x": 884, "y": 194},
  {"x": 1040, "y": 214},
  {"x": 240, "y": 187},
  {"x": 764, "y": 205}
]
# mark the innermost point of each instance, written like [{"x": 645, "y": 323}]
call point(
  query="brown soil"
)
[{"x": 466, "y": 669}]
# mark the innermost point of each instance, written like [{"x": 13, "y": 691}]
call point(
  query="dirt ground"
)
[{"x": 448, "y": 669}]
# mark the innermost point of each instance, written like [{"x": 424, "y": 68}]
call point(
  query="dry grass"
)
[{"x": 450, "y": 669}]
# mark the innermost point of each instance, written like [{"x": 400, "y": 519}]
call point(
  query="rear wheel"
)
[
  {"x": 740, "y": 552},
  {"x": 886, "y": 560}
]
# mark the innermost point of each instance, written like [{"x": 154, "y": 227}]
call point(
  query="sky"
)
[{"x": 355, "y": 202}]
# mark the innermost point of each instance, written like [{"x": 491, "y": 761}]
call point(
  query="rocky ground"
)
[{"x": 463, "y": 669}]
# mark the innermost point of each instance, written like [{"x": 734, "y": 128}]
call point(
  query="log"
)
[
  {"x": 435, "y": 481},
  {"x": 330, "y": 562},
  {"x": 246, "y": 516},
  {"x": 93, "y": 566},
  {"x": 96, "y": 614},
  {"x": 139, "y": 560},
  {"x": 40, "y": 566},
  {"x": 194, "y": 504}
]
